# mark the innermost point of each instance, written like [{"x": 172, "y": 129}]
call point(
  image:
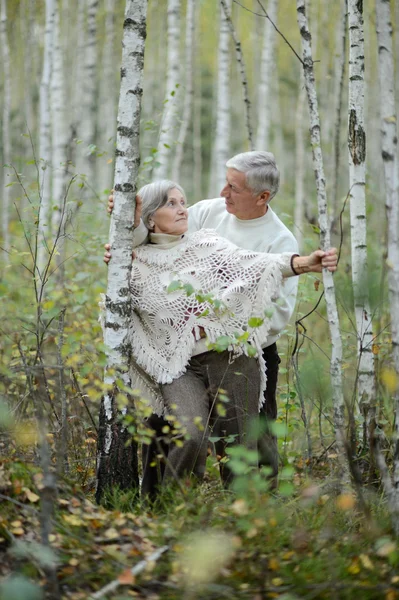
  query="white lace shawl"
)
[{"x": 165, "y": 325}]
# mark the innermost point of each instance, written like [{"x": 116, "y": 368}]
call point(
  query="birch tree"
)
[
  {"x": 108, "y": 99},
  {"x": 6, "y": 138},
  {"x": 265, "y": 88},
  {"x": 44, "y": 225},
  {"x": 358, "y": 221},
  {"x": 89, "y": 92},
  {"x": 328, "y": 281},
  {"x": 242, "y": 70},
  {"x": 117, "y": 462},
  {"x": 59, "y": 134},
  {"x": 300, "y": 164},
  {"x": 172, "y": 96},
  {"x": 221, "y": 141},
  {"x": 339, "y": 78},
  {"x": 188, "y": 91},
  {"x": 389, "y": 151}
]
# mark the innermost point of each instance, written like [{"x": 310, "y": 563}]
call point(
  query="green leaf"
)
[
  {"x": 173, "y": 286},
  {"x": 189, "y": 289},
  {"x": 255, "y": 322}
]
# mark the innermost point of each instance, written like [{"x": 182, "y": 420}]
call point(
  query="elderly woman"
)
[{"x": 200, "y": 313}]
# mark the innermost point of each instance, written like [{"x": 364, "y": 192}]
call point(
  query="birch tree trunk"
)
[
  {"x": 172, "y": 95},
  {"x": 389, "y": 150},
  {"x": 27, "y": 19},
  {"x": 197, "y": 133},
  {"x": 117, "y": 463},
  {"x": 59, "y": 142},
  {"x": 265, "y": 88},
  {"x": 243, "y": 74},
  {"x": 357, "y": 182},
  {"x": 89, "y": 96},
  {"x": 6, "y": 152},
  {"x": 44, "y": 225},
  {"x": 221, "y": 144},
  {"x": 300, "y": 154},
  {"x": 328, "y": 281},
  {"x": 339, "y": 76},
  {"x": 189, "y": 90},
  {"x": 108, "y": 101}
]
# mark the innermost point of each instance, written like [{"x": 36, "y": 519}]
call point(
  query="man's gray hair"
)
[
  {"x": 155, "y": 195},
  {"x": 261, "y": 171}
]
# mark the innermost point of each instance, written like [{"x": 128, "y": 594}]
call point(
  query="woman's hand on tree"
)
[{"x": 137, "y": 211}]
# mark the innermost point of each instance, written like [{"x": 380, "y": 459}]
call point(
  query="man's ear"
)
[{"x": 263, "y": 198}]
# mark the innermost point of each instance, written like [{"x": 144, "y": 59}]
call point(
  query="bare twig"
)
[
  {"x": 241, "y": 64},
  {"x": 265, "y": 15},
  {"x": 134, "y": 571}
]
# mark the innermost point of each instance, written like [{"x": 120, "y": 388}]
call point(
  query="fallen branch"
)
[{"x": 134, "y": 571}]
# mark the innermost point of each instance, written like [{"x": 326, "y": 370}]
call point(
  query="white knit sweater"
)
[{"x": 224, "y": 288}]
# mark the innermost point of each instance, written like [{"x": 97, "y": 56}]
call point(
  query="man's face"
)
[{"x": 240, "y": 200}]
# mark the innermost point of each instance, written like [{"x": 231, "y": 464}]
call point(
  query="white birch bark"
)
[
  {"x": 188, "y": 91},
  {"x": 89, "y": 93},
  {"x": 243, "y": 74},
  {"x": 221, "y": 141},
  {"x": 117, "y": 464},
  {"x": 28, "y": 27},
  {"x": 339, "y": 76},
  {"x": 328, "y": 281},
  {"x": 59, "y": 135},
  {"x": 389, "y": 150},
  {"x": 78, "y": 66},
  {"x": 300, "y": 154},
  {"x": 197, "y": 134},
  {"x": 6, "y": 130},
  {"x": 265, "y": 88},
  {"x": 108, "y": 101},
  {"x": 172, "y": 95},
  {"x": 357, "y": 182},
  {"x": 44, "y": 225}
]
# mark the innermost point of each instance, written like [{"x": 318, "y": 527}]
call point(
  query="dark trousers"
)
[
  {"x": 153, "y": 469},
  {"x": 267, "y": 443},
  {"x": 192, "y": 400}
]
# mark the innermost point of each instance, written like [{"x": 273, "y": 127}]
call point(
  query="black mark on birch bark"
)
[{"x": 357, "y": 139}]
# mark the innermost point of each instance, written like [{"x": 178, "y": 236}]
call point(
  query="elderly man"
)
[{"x": 243, "y": 216}]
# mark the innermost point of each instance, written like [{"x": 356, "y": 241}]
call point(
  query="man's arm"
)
[{"x": 284, "y": 305}]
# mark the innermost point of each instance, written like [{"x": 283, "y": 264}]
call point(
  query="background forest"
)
[{"x": 211, "y": 88}]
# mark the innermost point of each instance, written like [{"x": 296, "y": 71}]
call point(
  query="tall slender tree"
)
[
  {"x": 243, "y": 72},
  {"x": 117, "y": 462},
  {"x": 221, "y": 140},
  {"x": 389, "y": 151},
  {"x": 44, "y": 225},
  {"x": 188, "y": 91},
  {"x": 265, "y": 88},
  {"x": 6, "y": 129},
  {"x": 108, "y": 100},
  {"x": 300, "y": 164},
  {"x": 339, "y": 79},
  {"x": 329, "y": 289},
  {"x": 172, "y": 95},
  {"x": 358, "y": 219},
  {"x": 89, "y": 93},
  {"x": 59, "y": 134}
]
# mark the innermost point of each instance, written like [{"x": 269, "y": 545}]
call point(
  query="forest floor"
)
[{"x": 303, "y": 540}]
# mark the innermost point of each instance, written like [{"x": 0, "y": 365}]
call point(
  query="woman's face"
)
[{"x": 171, "y": 217}]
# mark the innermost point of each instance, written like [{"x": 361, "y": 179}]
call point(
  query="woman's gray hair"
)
[
  {"x": 155, "y": 195},
  {"x": 260, "y": 169}
]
